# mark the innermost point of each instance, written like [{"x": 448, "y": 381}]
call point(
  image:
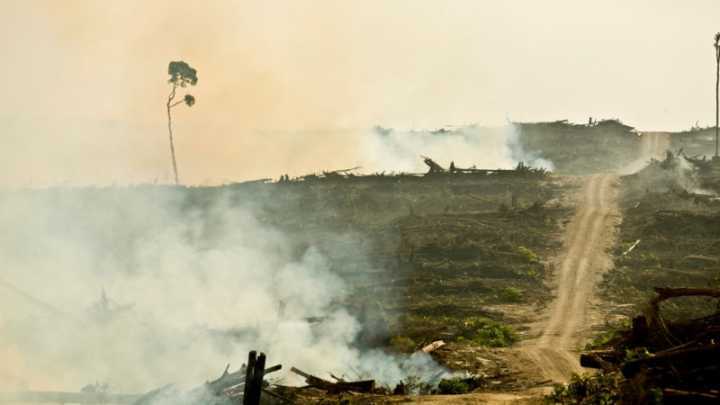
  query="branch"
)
[
  {"x": 665, "y": 293},
  {"x": 171, "y": 97}
]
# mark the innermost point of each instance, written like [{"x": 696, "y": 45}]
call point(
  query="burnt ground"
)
[
  {"x": 461, "y": 258},
  {"x": 467, "y": 258},
  {"x": 443, "y": 256},
  {"x": 679, "y": 234}
]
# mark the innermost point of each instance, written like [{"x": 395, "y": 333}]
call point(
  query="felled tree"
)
[{"x": 181, "y": 74}]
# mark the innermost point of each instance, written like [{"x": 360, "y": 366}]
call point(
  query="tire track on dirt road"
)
[{"x": 583, "y": 260}]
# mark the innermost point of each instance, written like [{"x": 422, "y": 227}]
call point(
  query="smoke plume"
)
[
  {"x": 473, "y": 145},
  {"x": 140, "y": 287}
]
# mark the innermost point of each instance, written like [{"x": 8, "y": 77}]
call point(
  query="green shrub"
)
[
  {"x": 486, "y": 332},
  {"x": 453, "y": 386},
  {"x": 600, "y": 389},
  {"x": 402, "y": 344},
  {"x": 495, "y": 335},
  {"x": 528, "y": 254},
  {"x": 511, "y": 294}
]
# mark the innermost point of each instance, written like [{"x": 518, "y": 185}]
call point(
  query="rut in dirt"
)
[{"x": 585, "y": 257}]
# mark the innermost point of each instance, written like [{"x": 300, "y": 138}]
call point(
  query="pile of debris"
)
[
  {"x": 677, "y": 362},
  {"x": 246, "y": 386},
  {"x": 434, "y": 169},
  {"x": 521, "y": 169}
]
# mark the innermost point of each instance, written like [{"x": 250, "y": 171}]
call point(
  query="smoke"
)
[
  {"x": 687, "y": 177},
  {"x": 85, "y": 82},
  {"x": 140, "y": 287},
  {"x": 484, "y": 147},
  {"x": 653, "y": 145}
]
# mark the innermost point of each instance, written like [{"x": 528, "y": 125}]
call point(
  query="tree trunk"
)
[
  {"x": 717, "y": 95},
  {"x": 172, "y": 144}
]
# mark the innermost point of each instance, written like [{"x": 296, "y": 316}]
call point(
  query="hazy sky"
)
[{"x": 84, "y": 82}]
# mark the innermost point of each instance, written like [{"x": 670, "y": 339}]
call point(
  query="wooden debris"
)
[
  {"x": 335, "y": 387},
  {"x": 433, "y": 346},
  {"x": 433, "y": 166},
  {"x": 679, "y": 358},
  {"x": 704, "y": 259},
  {"x": 631, "y": 248}
]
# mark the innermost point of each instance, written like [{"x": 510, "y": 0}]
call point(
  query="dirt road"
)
[
  {"x": 562, "y": 330},
  {"x": 577, "y": 270}
]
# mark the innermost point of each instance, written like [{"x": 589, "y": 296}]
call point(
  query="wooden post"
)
[
  {"x": 254, "y": 378},
  {"x": 249, "y": 373},
  {"x": 257, "y": 381}
]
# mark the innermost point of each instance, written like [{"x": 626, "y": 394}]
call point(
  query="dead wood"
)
[
  {"x": 433, "y": 346},
  {"x": 679, "y": 358},
  {"x": 631, "y": 248},
  {"x": 675, "y": 396},
  {"x": 696, "y": 357},
  {"x": 335, "y": 387}
]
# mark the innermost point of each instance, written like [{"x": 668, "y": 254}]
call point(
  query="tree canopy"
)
[{"x": 182, "y": 74}]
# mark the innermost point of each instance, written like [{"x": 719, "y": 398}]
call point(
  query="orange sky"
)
[{"x": 84, "y": 81}]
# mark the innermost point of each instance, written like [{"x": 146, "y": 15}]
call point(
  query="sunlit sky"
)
[{"x": 84, "y": 82}]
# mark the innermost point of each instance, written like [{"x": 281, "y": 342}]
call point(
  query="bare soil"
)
[{"x": 585, "y": 258}]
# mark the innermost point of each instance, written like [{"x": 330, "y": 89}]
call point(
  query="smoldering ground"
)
[
  {"x": 143, "y": 286},
  {"x": 468, "y": 145}
]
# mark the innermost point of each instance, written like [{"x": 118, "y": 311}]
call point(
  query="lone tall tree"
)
[
  {"x": 181, "y": 74},
  {"x": 717, "y": 89}
]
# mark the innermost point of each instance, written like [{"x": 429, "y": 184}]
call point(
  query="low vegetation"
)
[{"x": 676, "y": 238}]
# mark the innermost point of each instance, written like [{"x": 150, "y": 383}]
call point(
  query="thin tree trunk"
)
[
  {"x": 717, "y": 95},
  {"x": 172, "y": 145}
]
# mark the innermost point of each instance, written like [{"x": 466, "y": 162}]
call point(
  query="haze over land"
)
[{"x": 290, "y": 87}]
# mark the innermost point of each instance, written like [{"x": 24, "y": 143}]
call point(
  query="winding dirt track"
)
[{"x": 584, "y": 258}]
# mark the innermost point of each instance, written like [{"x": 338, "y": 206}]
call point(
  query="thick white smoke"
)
[
  {"x": 484, "y": 147},
  {"x": 139, "y": 287}
]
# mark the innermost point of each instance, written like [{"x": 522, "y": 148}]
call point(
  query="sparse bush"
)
[
  {"x": 486, "y": 332},
  {"x": 453, "y": 386},
  {"x": 511, "y": 294},
  {"x": 495, "y": 335},
  {"x": 528, "y": 254},
  {"x": 600, "y": 389},
  {"x": 402, "y": 344}
]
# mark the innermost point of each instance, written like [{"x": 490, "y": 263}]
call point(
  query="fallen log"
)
[
  {"x": 701, "y": 258},
  {"x": 696, "y": 357},
  {"x": 433, "y": 166},
  {"x": 340, "y": 386},
  {"x": 603, "y": 360},
  {"x": 675, "y": 396},
  {"x": 340, "y": 171},
  {"x": 680, "y": 358}
]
